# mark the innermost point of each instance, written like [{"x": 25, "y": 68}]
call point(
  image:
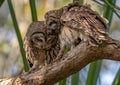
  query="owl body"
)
[
  {"x": 89, "y": 25},
  {"x": 68, "y": 37},
  {"x": 77, "y": 23},
  {"x": 40, "y": 44},
  {"x": 53, "y": 48}
]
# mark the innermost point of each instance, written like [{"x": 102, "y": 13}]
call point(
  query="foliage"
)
[
  {"x": 62, "y": 82},
  {"x": 75, "y": 79},
  {"x": 26, "y": 67},
  {"x": 81, "y": 1},
  {"x": 93, "y": 73},
  {"x": 1, "y": 2},
  {"x": 117, "y": 78},
  {"x": 33, "y": 10},
  {"x": 108, "y": 11}
]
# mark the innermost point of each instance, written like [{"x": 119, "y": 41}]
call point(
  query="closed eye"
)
[
  {"x": 38, "y": 39},
  {"x": 52, "y": 23}
]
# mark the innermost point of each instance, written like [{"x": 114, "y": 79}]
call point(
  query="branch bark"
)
[{"x": 71, "y": 63}]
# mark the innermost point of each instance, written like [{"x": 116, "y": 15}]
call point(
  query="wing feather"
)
[{"x": 86, "y": 20}]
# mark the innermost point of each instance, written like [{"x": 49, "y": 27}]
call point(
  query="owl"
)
[
  {"x": 77, "y": 23},
  {"x": 41, "y": 46}
]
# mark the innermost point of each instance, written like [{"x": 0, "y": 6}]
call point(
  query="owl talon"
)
[{"x": 35, "y": 65}]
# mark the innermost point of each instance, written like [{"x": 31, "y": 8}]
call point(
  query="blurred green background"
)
[{"x": 12, "y": 60}]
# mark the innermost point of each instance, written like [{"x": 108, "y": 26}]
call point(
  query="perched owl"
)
[
  {"x": 40, "y": 44},
  {"x": 77, "y": 22}
]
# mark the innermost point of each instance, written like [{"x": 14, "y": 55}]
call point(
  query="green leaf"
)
[
  {"x": 112, "y": 6},
  {"x": 67, "y": 49},
  {"x": 75, "y": 79},
  {"x": 26, "y": 66},
  {"x": 117, "y": 78},
  {"x": 62, "y": 82},
  {"x": 81, "y": 1},
  {"x": 75, "y": 0},
  {"x": 108, "y": 13},
  {"x": 93, "y": 73},
  {"x": 1, "y": 2},
  {"x": 33, "y": 10}
]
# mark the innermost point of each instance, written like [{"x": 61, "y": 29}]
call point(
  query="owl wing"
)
[
  {"x": 27, "y": 51},
  {"x": 86, "y": 20}
]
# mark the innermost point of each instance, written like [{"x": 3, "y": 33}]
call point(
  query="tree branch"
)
[{"x": 71, "y": 63}]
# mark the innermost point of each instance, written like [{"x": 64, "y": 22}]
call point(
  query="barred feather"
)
[
  {"x": 77, "y": 23},
  {"x": 40, "y": 44}
]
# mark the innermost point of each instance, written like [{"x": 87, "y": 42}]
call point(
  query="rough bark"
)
[{"x": 71, "y": 63}]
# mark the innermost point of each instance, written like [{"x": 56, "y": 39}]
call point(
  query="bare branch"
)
[{"x": 72, "y": 62}]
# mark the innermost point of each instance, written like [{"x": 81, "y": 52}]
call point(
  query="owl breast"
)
[{"x": 68, "y": 36}]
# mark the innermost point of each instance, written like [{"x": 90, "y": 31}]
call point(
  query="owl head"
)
[
  {"x": 53, "y": 17},
  {"x": 39, "y": 36},
  {"x": 53, "y": 20},
  {"x": 36, "y": 35}
]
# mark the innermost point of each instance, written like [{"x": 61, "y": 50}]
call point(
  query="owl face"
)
[
  {"x": 40, "y": 37},
  {"x": 53, "y": 24},
  {"x": 36, "y": 35},
  {"x": 53, "y": 20},
  {"x": 43, "y": 41},
  {"x": 38, "y": 40},
  {"x": 40, "y": 44}
]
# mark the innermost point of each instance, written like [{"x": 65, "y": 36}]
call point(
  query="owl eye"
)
[
  {"x": 53, "y": 23},
  {"x": 38, "y": 39}
]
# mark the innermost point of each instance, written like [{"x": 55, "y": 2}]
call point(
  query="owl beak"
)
[{"x": 43, "y": 46}]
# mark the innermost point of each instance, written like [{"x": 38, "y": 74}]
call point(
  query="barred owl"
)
[
  {"x": 77, "y": 22},
  {"x": 40, "y": 44}
]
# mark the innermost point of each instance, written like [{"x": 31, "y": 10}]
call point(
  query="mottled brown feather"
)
[
  {"x": 45, "y": 49},
  {"x": 78, "y": 22}
]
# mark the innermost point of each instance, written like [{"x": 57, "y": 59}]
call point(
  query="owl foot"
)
[
  {"x": 31, "y": 70},
  {"x": 35, "y": 66}
]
